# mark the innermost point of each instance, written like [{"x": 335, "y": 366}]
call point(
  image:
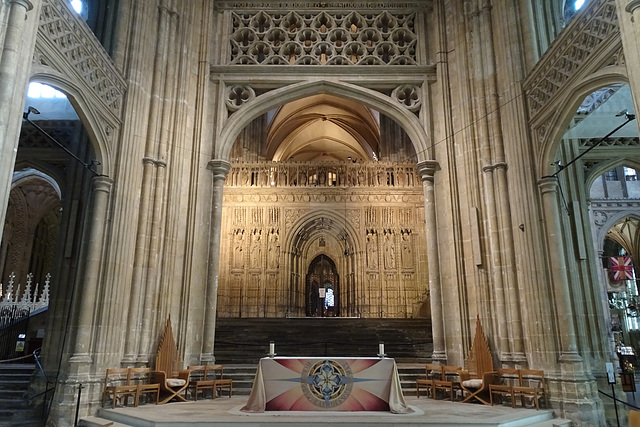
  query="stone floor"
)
[{"x": 223, "y": 412}]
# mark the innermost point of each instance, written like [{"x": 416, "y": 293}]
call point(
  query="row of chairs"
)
[
  {"x": 208, "y": 377},
  {"x": 135, "y": 382},
  {"x": 504, "y": 383},
  {"x": 522, "y": 383},
  {"x": 129, "y": 382}
]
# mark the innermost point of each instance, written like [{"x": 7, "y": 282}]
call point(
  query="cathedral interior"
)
[{"x": 206, "y": 161}]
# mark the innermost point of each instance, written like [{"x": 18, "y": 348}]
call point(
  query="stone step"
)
[
  {"x": 246, "y": 340},
  {"x": 99, "y": 422}
]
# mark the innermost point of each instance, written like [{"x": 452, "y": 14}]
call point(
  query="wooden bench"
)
[
  {"x": 125, "y": 382},
  {"x": 507, "y": 379},
  {"x": 432, "y": 372},
  {"x": 532, "y": 385},
  {"x": 523, "y": 383},
  {"x": 450, "y": 381}
]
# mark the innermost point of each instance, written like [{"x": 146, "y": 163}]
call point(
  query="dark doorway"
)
[{"x": 322, "y": 288}]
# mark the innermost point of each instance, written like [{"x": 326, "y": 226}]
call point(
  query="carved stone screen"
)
[{"x": 323, "y": 38}]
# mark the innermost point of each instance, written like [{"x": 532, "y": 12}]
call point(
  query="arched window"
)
[{"x": 571, "y": 7}]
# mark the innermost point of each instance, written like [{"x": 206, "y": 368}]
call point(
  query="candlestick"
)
[
  {"x": 381, "y": 350},
  {"x": 272, "y": 349}
]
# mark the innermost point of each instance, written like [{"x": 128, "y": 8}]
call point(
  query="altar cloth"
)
[{"x": 326, "y": 384}]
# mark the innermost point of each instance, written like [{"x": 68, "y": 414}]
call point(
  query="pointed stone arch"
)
[
  {"x": 277, "y": 97},
  {"x": 551, "y": 129},
  {"x": 102, "y": 127}
]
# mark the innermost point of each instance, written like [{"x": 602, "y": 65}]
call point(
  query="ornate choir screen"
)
[{"x": 295, "y": 234}]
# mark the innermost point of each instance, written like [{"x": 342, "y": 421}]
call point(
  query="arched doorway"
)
[{"x": 322, "y": 288}]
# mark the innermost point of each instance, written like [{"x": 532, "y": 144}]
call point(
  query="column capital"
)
[
  {"x": 25, "y": 3},
  {"x": 427, "y": 169},
  {"x": 548, "y": 184},
  {"x": 632, "y": 6},
  {"x": 219, "y": 168}
]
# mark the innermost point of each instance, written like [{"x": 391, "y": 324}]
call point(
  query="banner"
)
[{"x": 620, "y": 268}]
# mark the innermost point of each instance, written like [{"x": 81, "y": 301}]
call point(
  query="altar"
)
[{"x": 326, "y": 384}]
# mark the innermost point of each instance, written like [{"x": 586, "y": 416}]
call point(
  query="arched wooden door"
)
[{"x": 322, "y": 288}]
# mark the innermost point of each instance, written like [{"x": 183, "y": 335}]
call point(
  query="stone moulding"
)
[{"x": 254, "y": 5}]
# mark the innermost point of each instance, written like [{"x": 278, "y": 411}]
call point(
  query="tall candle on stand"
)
[
  {"x": 381, "y": 348},
  {"x": 272, "y": 348}
]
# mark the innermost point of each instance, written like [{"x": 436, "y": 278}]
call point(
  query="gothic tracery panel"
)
[{"x": 323, "y": 39}]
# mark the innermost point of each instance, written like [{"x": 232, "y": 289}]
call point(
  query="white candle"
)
[
  {"x": 272, "y": 348},
  {"x": 381, "y": 348}
]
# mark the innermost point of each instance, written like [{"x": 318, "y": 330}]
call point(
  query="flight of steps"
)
[
  {"x": 15, "y": 410},
  {"x": 242, "y": 341}
]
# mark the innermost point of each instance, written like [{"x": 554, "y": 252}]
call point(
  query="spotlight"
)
[{"x": 30, "y": 110}]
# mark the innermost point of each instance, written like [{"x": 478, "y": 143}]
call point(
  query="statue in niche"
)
[
  {"x": 244, "y": 177},
  {"x": 372, "y": 250},
  {"x": 362, "y": 177},
  {"x": 238, "y": 253},
  {"x": 382, "y": 179},
  {"x": 273, "y": 249},
  {"x": 389, "y": 251},
  {"x": 400, "y": 178},
  {"x": 256, "y": 249},
  {"x": 406, "y": 253},
  {"x": 282, "y": 175}
]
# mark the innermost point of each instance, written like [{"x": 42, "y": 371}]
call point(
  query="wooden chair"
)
[
  {"x": 172, "y": 384},
  {"x": 634, "y": 418},
  {"x": 140, "y": 377},
  {"x": 432, "y": 372},
  {"x": 532, "y": 385},
  {"x": 476, "y": 381},
  {"x": 450, "y": 381},
  {"x": 116, "y": 384},
  {"x": 220, "y": 383},
  {"x": 198, "y": 380},
  {"x": 507, "y": 379}
]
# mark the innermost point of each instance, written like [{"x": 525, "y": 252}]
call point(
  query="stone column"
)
[
  {"x": 629, "y": 21},
  {"x": 101, "y": 189},
  {"x": 557, "y": 263},
  {"x": 220, "y": 169},
  {"x": 427, "y": 171},
  {"x": 11, "y": 60}
]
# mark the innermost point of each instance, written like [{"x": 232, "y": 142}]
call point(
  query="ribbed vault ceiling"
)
[{"x": 323, "y": 128}]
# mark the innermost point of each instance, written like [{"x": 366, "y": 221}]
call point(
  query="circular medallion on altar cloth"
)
[{"x": 327, "y": 383}]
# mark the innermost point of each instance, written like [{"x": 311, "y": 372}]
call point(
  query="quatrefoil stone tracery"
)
[{"x": 238, "y": 95}]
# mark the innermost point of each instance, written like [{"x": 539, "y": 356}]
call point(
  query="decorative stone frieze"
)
[
  {"x": 578, "y": 42},
  {"x": 323, "y": 38},
  {"x": 62, "y": 32}
]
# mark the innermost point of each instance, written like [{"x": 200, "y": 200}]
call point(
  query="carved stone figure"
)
[
  {"x": 372, "y": 250},
  {"x": 389, "y": 251},
  {"x": 273, "y": 254},
  {"x": 238, "y": 252},
  {"x": 406, "y": 252},
  {"x": 256, "y": 249}
]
